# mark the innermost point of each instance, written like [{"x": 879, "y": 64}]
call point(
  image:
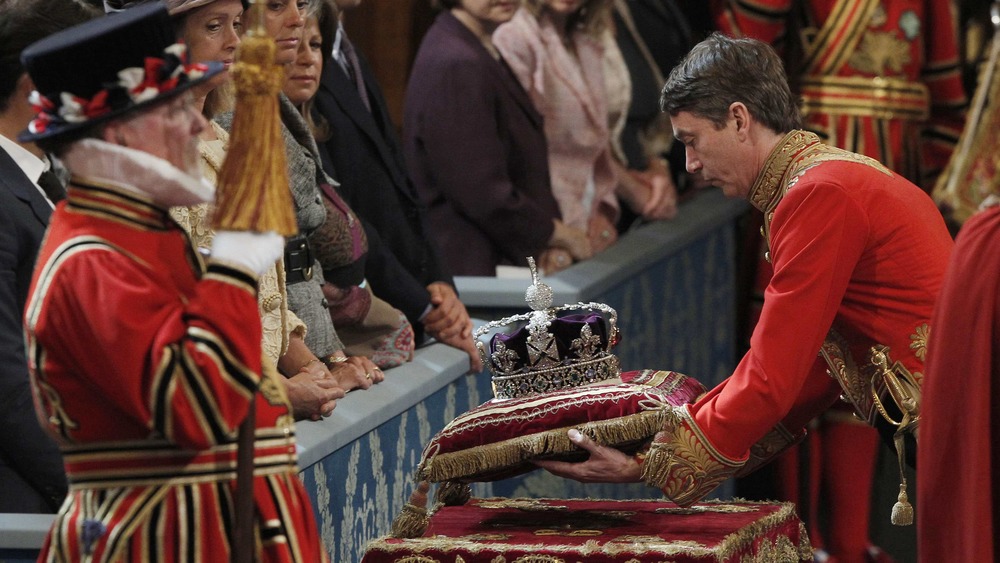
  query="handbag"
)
[{"x": 383, "y": 334}]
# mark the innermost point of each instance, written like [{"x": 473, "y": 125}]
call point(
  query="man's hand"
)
[
  {"x": 447, "y": 317},
  {"x": 449, "y": 323},
  {"x": 606, "y": 465},
  {"x": 466, "y": 344},
  {"x": 312, "y": 397}
]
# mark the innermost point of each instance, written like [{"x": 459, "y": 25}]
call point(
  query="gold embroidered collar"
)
[
  {"x": 768, "y": 188},
  {"x": 796, "y": 153}
]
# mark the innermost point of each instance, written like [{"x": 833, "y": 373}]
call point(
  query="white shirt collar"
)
[
  {"x": 337, "y": 40},
  {"x": 31, "y": 165}
]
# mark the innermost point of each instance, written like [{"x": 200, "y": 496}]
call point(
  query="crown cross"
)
[{"x": 542, "y": 350}]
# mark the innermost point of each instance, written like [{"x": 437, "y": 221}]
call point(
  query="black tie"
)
[{"x": 52, "y": 187}]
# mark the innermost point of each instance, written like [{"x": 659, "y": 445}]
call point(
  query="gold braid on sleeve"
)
[
  {"x": 683, "y": 463},
  {"x": 777, "y": 440}
]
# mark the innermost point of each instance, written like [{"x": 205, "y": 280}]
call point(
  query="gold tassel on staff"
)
[{"x": 253, "y": 193}]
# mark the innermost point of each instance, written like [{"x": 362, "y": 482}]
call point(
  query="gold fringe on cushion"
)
[
  {"x": 453, "y": 493},
  {"x": 466, "y": 464},
  {"x": 253, "y": 193},
  {"x": 412, "y": 520}
]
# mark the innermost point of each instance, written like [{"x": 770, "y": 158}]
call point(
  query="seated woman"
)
[
  {"x": 284, "y": 21},
  {"x": 211, "y": 31},
  {"x": 476, "y": 151},
  {"x": 367, "y": 325},
  {"x": 554, "y": 49}
]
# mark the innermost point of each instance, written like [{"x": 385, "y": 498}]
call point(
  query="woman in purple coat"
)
[{"x": 475, "y": 148}]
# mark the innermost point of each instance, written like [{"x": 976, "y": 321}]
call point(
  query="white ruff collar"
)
[{"x": 137, "y": 171}]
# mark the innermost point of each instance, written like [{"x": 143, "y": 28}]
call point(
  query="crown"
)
[{"x": 548, "y": 351}]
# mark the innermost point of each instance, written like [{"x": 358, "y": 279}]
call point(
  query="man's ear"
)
[
  {"x": 113, "y": 133},
  {"x": 25, "y": 85},
  {"x": 739, "y": 113}
]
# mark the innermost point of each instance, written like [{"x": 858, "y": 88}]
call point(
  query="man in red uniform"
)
[
  {"x": 143, "y": 360},
  {"x": 859, "y": 254},
  {"x": 881, "y": 78}
]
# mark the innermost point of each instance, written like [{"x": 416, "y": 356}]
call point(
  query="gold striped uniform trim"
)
[
  {"x": 838, "y": 36},
  {"x": 884, "y": 98},
  {"x": 269, "y": 463},
  {"x": 232, "y": 274},
  {"x": 64, "y": 252},
  {"x": 113, "y": 202},
  {"x": 204, "y": 409}
]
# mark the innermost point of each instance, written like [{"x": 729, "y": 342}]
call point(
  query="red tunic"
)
[
  {"x": 959, "y": 455},
  {"x": 855, "y": 248},
  {"x": 877, "y": 77},
  {"x": 143, "y": 365}
]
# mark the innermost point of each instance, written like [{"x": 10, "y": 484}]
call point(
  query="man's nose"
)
[{"x": 691, "y": 162}]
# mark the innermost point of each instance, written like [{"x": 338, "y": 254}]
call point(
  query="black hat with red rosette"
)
[{"x": 106, "y": 68}]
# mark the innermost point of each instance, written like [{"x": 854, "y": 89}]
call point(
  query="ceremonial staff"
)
[
  {"x": 253, "y": 195},
  {"x": 972, "y": 172}
]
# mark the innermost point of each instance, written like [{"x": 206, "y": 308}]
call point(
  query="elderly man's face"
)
[{"x": 168, "y": 130}]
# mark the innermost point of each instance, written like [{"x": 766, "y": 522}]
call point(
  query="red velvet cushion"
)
[{"x": 497, "y": 439}]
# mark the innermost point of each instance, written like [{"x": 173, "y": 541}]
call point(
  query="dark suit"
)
[
  {"x": 364, "y": 155},
  {"x": 476, "y": 151},
  {"x": 31, "y": 468}
]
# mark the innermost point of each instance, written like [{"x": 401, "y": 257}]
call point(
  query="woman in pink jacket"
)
[{"x": 554, "y": 48}]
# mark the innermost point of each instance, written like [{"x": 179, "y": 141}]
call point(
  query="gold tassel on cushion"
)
[
  {"x": 453, "y": 493},
  {"x": 412, "y": 520},
  {"x": 253, "y": 193}
]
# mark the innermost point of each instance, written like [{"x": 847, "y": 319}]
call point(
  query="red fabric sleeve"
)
[
  {"x": 817, "y": 235},
  {"x": 183, "y": 365}
]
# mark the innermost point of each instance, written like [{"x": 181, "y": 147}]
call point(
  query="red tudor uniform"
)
[
  {"x": 877, "y": 77},
  {"x": 144, "y": 369},
  {"x": 857, "y": 249}
]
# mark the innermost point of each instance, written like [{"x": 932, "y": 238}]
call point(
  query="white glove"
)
[{"x": 256, "y": 252}]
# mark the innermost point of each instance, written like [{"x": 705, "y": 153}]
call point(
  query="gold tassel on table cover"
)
[
  {"x": 253, "y": 193},
  {"x": 413, "y": 520}
]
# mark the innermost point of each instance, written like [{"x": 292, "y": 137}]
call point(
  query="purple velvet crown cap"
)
[{"x": 566, "y": 331}]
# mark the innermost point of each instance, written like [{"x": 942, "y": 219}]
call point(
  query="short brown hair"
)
[
  {"x": 27, "y": 21},
  {"x": 720, "y": 71}
]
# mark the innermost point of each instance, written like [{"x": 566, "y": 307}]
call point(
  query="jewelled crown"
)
[{"x": 548, "y": 351}]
